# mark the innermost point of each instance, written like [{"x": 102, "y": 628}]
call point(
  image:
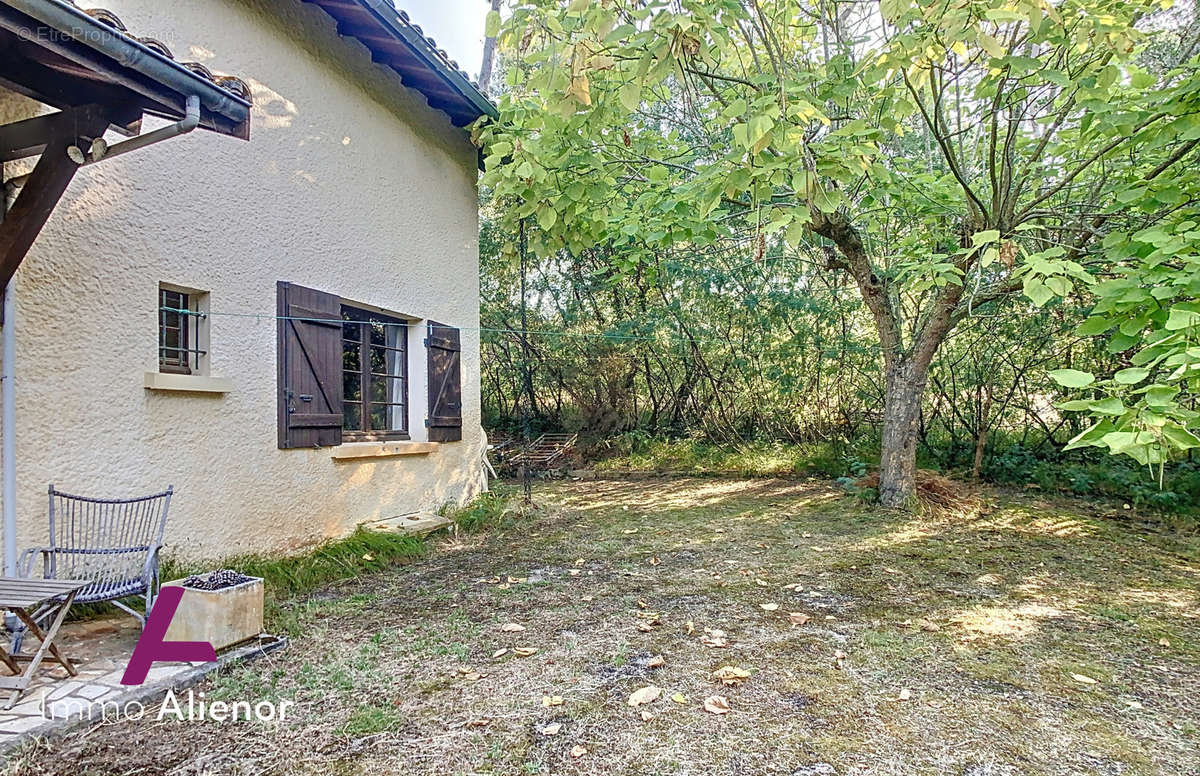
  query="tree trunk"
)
[
  {"x": 489, "y": 54},
  {"x": 898, "y": 453}
]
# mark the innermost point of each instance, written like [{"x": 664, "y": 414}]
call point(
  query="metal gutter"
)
[
  {"x": 387, "y": 14},
  {"x": 124, "y": 50}
]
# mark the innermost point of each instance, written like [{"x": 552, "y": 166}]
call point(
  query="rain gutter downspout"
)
[{"x": 8, "y": 419}]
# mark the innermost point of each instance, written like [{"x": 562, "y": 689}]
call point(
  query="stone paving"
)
[{"x": 56, "y": 702}]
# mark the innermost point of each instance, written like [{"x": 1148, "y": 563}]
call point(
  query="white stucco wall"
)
[{"x": 345, "y": 187}]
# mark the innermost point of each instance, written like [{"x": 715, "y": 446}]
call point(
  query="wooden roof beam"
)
[{"x": 46, "y": 184}]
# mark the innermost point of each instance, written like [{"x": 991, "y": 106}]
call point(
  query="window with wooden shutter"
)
[
  {"x": 310, "y": 367},
  {"x": 445, "y": 383}
]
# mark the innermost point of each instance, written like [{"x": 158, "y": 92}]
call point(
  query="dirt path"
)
[{"x": 1028, "y": 639}]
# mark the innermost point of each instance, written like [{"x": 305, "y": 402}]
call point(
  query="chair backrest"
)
[{"x": 104, "y": 541}]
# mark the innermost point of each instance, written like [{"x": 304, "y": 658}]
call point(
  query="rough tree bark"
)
[
  {"x": 489, "y": 55},
  {"x": 906, "y": 370}
]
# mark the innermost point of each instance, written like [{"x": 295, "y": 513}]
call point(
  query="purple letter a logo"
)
[{"x": 152, "y": 648}]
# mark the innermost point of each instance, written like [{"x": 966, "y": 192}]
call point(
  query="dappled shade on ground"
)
[{"x": 1029, "y": 637}]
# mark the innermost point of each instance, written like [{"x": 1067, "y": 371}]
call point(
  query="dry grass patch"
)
[{"x": 842, "y": 639}]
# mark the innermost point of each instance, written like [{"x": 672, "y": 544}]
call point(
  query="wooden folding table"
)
[{"x": 29, "y": 598}]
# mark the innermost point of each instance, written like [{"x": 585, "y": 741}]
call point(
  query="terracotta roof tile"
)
[{"x": 229, "y": 83}]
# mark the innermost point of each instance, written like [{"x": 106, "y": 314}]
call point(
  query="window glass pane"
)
[
  {"x": 387, "y": 417},
  {"x": 387, "y": 389},
  {"x": 379, "y": 417},
  {"x": 350, "y": 356},
  {"x": 378, "y": 333},
  {"x": 351, "y": 330},
  {"x": 170, "y": 339},
  {"x": 396, "y": 335},
  {"x": 387, "y": 362},
  {"x": 352, "y": 414},
  {"x": 379, "y": 360},
  {"x": 352, "y": 386}
]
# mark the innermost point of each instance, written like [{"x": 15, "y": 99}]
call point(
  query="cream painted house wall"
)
[{"x": 349, "y": 184}]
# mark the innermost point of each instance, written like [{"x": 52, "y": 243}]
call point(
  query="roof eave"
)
[
  {"x": 87, "y": 31},
  {"x": 391, "y": 18}
]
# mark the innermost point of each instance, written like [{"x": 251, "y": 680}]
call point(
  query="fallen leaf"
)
[
  {"x": 500, "y": 653},
  {"x": 574, "y": 572},
  {"x": 890, "y": 570},
  {"x": 798, "y": 618},
  {"x": 839, "y": 658},
  {"x": 368, "y": 557},
  {"x": 655, "y": 561},
  {"x": 587, "y": 598},
  {"x": 472, "y": 676},
  {"x": 1083, "y": 679},
  {"x": 647, "y": 716},
  {"x": 731, "y": 675},
  {"x": 645, "y": 627},
  {"x": 479, "y": 722},
  {"x": 552, "y": 729},
  {"x": 524, "y": 651},
  {"x": 642, "y": 604},
  {"x": 552, "y": 700},
  {"x": 769, "y": 607},
  {"x": 647, "y": 694},
  {"x": 762, "y": 583},
  {"x": 714, "y": 638},
  {"x": 630, "y": 531},
  {"x": 579, "y": 561},
  {"x": 905, "y": 694},
  {"x": 690, "y": 627},
  {"x": 716, "y": 704},
  {"x": 1164, "y": 643},
  {"x": 679, "y": 697},
  {"x": 579, "y": 750},
  {"x": 516, "y": 580},
  {"x": 657, "y": 661},
  {"x": 512, "y": 627},
  {"x": 929, "y": 625}
]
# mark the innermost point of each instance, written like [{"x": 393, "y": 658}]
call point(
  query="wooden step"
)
[{"x": 415, "y": 524}]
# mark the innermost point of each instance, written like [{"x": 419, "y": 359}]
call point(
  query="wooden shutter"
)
[
  {"x": 310, "y": 367},
  {"x": 445, "y": 383}
]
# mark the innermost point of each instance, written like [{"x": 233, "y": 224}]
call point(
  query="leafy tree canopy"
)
[{"x": 955, "y": 158}]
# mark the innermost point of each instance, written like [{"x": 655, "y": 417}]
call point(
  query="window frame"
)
[
  {"x": 362, "y": 316},
  {"x": 187, "y": 358}
]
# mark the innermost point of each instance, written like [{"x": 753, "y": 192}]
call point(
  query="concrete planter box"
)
[{"x": 221, "y": 617}]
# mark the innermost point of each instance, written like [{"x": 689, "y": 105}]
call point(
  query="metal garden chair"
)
[{"x": 113, "y": 544}]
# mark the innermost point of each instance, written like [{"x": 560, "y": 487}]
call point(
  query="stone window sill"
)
[
  {"x": 358, "y": 450},
  {"x": 166, "y": 381}
]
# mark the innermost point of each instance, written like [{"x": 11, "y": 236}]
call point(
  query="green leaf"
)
[
  {"x": 987, "y": 236},
  {"x": 991, "y": 45},
  {"x": 1180, "y": 437},
  {"x": 1109, "y": 406},
  {"x": 1072, "y": 378},
  {"x": 1093, "y": 326},
  {"x": 546, "y": 217},
  {"x": 1091, "y": 436},
  {"x": 491, "y": 24},
  {"x": 1037, "y": 292},
  {"x": 1131, "y": 376},
  {"x": 1182, "y": 319},
  {"x": 630, "y": 96}
]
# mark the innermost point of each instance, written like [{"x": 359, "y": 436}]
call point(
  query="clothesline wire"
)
[{"x": 480, "y": 329}]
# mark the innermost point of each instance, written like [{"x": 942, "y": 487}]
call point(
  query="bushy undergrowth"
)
[{"x": 1048, "y": 468}]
